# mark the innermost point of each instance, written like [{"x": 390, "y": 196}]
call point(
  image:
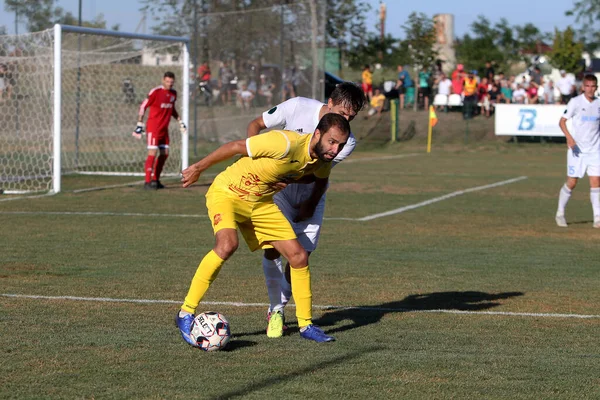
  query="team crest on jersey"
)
[
  {"x": 272, "y": 110},
  {"x": 217, "y": 218},
  {"x": 172, "y": 99},
  {"x": 299, "y": 130}
]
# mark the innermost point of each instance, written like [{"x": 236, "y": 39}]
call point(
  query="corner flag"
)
[{"x": 432, "y": 122}]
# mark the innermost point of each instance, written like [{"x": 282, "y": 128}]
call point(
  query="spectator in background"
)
[
  {"x": 458, "y": 77},
  {"x": 566, "y": 87},
  {"x": 377, "y": 102},
  {"x": 507, "y": 92},
  {"x": 483, "y": 96},
  {"x": 501, "y": 79},
  {"x": 512, "y": 83},
  {"x": 424, "y": 89},
  {"x": 549, "y": 92},
  {"x": 536, "y": 77},
  {"x": 204, "y": 72},
  {"x": 245, "y": 97},
  {"x": 266, "y": 90},
  {"x": 367, "y": 81},
  {"x": 6, "y": 82},
  {"x": 519, "y": 95},
  {"x": 225, "y": 77},
  {"x": 470, "y": 95},
  {"x": 532, "y": 94},
  {"x": 524, "y": 83},
  {"x": 444, "y": 86},
  {"x": 403, "y": 84},
  {"x": 495, "y": 97},
  {"x": 489, "y": 72}
]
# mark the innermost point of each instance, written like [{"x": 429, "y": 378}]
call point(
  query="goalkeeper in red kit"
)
[{"x": 161, "y": 101}]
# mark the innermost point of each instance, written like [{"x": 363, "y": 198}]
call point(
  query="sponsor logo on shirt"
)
[
  {"x": 166, "y": 105},
  {"x": 217, "y": 218}
]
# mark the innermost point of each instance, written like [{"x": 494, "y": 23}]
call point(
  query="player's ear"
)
[{"x": 330, "y": 103}]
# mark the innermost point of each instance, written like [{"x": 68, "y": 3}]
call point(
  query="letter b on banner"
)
[{"x": 527, "y": 119}]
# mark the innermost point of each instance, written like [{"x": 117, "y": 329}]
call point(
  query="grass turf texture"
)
[{"x": 492, "y": 250}]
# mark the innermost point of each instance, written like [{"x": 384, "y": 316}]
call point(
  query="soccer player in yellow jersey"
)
[{"x": 242, "y": 197}]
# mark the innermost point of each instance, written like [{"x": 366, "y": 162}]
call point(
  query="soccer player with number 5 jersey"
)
[{"x": 583, "y": 154}]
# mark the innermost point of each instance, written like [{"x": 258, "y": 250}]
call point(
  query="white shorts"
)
[
  {"x": 308, "y": 231},
  {"x": 578, "y": 165}
]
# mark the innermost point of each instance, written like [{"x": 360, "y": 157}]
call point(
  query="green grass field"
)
[{"x": 474, "y": 296}]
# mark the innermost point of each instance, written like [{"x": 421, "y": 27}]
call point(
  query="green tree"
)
[
  {"x": 587, "y": 14},
  {"x": 499, "y": 43},
  {"x": 368, "y": 51},
  {"x": 566, "y": 51},
  {"x": 420, "y": 39},
  {"x": 43, "y": 14}
]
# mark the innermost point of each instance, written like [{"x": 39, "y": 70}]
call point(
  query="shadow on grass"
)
[
  {"x": 281, "y": 378},
  {"x": 236, "y": 344},
  {"x": 462, "y": 301},
  {"x": 366, "y": 315}
]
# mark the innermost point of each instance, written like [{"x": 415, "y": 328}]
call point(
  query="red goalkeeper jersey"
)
[{"x": 162, "y": 107}]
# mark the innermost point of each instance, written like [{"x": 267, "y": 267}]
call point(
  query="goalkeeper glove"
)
[
  {"x": 182, "y": 128},
  {"x": 139, "y": 130}
]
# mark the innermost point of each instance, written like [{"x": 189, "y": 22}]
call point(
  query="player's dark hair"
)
[
  {"x": 590, "y": 78},
  {"x": 349, "y": 95},
  {"x": 169, "y": 74},
  {"x": 331, "y": 120}
]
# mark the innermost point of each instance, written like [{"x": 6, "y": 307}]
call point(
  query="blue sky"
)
[{"x": 546, "y": 15}]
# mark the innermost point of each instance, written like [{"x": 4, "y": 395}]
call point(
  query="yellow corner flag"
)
[{"x": 432, "y": 122}]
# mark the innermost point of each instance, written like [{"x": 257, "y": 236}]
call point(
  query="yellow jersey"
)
[
  {"x": 377, "y": 101},
  {"x": 275, "y": 156},
  {"x": 367, "y": 77},
  {"x": 470, "y": 86}
]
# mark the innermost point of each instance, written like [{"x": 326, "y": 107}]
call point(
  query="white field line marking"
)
[
  {"x": 352, "y": 160},
  {"x": 28, "y": 197},
  {"x": 320, "y": 307},
  {"x": 367, "y": 218},
  {"x": 437, "y": 199},
  {"x": 174, "y": 178}
]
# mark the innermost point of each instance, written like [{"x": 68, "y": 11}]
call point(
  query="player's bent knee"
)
[
  {"x": 298, "y": 259},
  {"x": 226, "y": 243}
]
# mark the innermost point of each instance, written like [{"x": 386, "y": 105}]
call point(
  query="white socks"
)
[
  {"x": 563, "y": 199},
  {"x": 278, "y": 288},
  {"x": 273, "y": 276},
  {"x": 595, "y": 199}
]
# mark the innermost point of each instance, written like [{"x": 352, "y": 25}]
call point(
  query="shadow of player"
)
[{"x": 366, "y": 315}]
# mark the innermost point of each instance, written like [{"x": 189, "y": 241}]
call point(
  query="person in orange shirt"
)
[
  {"x": 367, "y": 82},
  {"x": 469, "y": 95}
]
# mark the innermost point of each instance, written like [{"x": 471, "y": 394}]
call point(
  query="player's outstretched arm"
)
[
  {"x": 255, "y": 126},
  {"x": 225, "y": 152}
]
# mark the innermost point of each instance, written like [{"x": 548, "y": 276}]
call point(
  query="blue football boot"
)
[
  {"x": 312, "y": 332},
  {"x": 185, "y": 327}
]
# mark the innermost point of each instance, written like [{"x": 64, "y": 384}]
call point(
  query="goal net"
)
[{"x": 84, "y": 124}]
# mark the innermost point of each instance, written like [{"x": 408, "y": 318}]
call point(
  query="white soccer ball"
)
[{"x": 211, "y": 331}]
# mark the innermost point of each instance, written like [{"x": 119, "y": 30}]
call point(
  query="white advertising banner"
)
[{"x": 529, "y": 120}]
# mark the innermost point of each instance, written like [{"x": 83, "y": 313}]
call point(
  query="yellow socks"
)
[
  {"x": 205, "y": 274},
  {"x": 302, "y": 295}
]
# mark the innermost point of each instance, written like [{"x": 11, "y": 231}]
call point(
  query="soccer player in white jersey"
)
[
  {"x": 583, "y": 154},
  {"x": 303, "y": 204}
]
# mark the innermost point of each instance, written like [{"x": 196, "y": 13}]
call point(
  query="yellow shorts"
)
[{"x": 259, "y": 222}]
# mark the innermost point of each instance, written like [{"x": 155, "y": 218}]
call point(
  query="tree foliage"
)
[
  {"x": 566, "y": 51},
  {"x": 587, "y": 13},
  {"x": 420, "y": 40},
  {"x": 39, "y": 15},
  {"x": 346, "y": 22},
  {"x": 500, "y": 43}
]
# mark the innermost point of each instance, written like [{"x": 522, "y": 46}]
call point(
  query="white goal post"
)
[{"x": 71, "y": 99}]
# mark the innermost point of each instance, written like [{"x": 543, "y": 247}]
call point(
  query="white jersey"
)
[
  {"x": 585, "y": 130},
  {"x": 302, "y": 115}
]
